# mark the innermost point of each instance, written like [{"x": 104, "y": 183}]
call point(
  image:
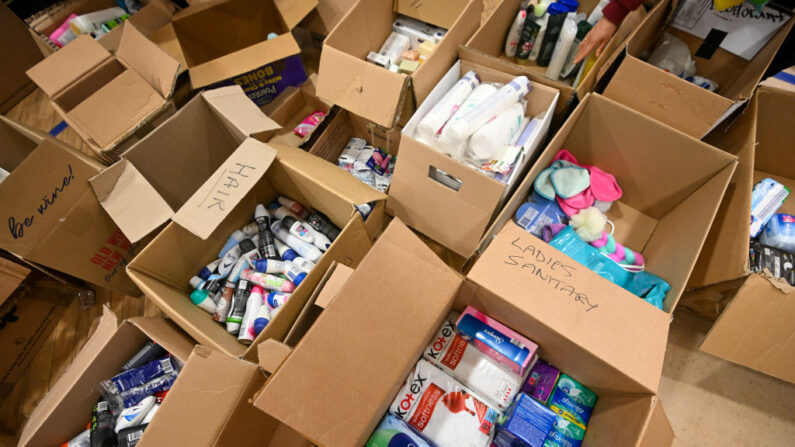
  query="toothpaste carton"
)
[
  {"x": 442, "y": 410},
  {"x": 475, "y": 369},
  {"x": 541, "y": 381},
  {"x": 564, "y": 433},
  {"x": 497, "y": 340},
  {"x": 526, "y": 424},
  {"x": 573, "y": 400}
]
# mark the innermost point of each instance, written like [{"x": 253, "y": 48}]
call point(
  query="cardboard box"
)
[
  {"x": 210, "y": 141},
  {"x": 54, "y": 219},
  {"x": 225, "y": 43},
  {"x": 20, "y": 52},
  {"x": 373, "y": 92},
  {"x": 11, "y": 276},
  {"x": 66, "y": 408},
  {"x": 291, "y": 107},
  {"x": 178, "y": 253},
  {"x": 675, "y": 101},
  {"x": 672, "y": 186},
  {"x": 152, "y": 16},
  {"x": 754, "y": 329},
  {"x": 28, "y": 314},
  {"x": 105, "y": 99},
  {"x": 487, "y": 47},
  {"x": 326, "y": 15},
  {"x": 457, "y": 218},
  {"x": 337, "y": 384},
  {"x": 209, "y": 405}
]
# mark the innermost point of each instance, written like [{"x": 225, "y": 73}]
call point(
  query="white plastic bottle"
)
[
  {"x": 442, "y": 111},
  {"x": 565, "y": 41},
  {"x": 512, "y": 40}
]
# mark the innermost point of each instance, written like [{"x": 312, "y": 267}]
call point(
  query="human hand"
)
[{"x": 596, "y": 38}]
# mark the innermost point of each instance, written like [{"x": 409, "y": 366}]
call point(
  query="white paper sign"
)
[{"x": 747, "y": 31}]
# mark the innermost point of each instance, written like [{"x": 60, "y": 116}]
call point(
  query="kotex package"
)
[
  {"x": 573, "y": 400},
  {"x": 443, "y": 410},
  {"x": 472, "y": 367},
  {"x": 394, "y": 432}
]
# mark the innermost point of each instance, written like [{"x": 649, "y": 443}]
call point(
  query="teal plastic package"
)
[
  {"x": 564, "y": 433},
  {"x": 573, "y": 400}
]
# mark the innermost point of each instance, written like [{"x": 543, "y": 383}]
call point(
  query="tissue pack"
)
[{"x": 526, "y": 424}]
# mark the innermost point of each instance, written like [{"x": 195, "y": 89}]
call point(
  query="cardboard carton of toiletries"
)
[
  {"x": 754, "y": 311},
  {"x": 53, "y": 219},
  {"x": 291, "y": 107},
  {"x": 676, "y": 102},
  {"x": 375, "y": 93},
  {"x": 107, "y": 98},
  {"x": 337, "y": 383},
  {"x": 66, "y": 408},
  {"x": 672, "y": 186},
  {"x": 31, "y": 304},
  {"x": 487, "y": 48},
  {"x": 225, "y": 42},
  {"x": 457, "y": 213}
]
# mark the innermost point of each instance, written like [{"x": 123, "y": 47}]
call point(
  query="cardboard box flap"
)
[
  {"x": 441, "y": 13},
  {"x": 335, "y": 179},
  {"x": 755, "y": 330},
  {"x": 167, "y": 334},
  {"x": 784, "y": 80},
  {"x": 40, "y": 416},
  {"x": 271, "y": 354},
  {"x": 352, "y": 331},
  {"x": 68, "y": 64},
  {"x": 293, "y": 11},
  {"x": 11, "y": 276},
  {"x": 130, "y": 200},
  {"x": 657, "y": 431},
  {"x": 239, "y": 111},
  {"x": 210, "y": 204},
  {"x": 153, "y": 64}
]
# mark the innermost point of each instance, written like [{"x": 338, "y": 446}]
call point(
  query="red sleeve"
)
[{"x": 616, "y": 10}]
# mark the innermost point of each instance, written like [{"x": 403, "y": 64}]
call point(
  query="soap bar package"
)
[
  {"x": 573, "y": 400},
  {"x": 541, "y": 381},
  {"x": 455, "y": 356},
  {"x": 442, "y": 410},
  {"x": 526, "y": 424}
]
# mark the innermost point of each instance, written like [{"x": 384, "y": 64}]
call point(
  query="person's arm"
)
[{"x": 612, "y": 16}]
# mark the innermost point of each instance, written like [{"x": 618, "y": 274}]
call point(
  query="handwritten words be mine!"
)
[
  {"x": 18, "y": 228},
  {"x": 548, "y": 270}
]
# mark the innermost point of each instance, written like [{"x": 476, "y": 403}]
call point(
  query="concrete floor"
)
[{"x": 712, "y": 402}]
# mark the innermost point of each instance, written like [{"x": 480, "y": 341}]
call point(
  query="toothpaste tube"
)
[
  {"x": 442, "y": 410},
  {"x": 527, "y": 423},
  {"x": 497, "y": 340},
  {"x": 394, "y": 432},
  {"x": 475, "y": 369},
  {"x": 573, "y": 400},
  {"x": 564, "y": 433},
  {"x": 139, "y": 376},
  {"x": 541, "y": 381}
]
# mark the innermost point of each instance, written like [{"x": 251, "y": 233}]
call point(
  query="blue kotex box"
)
[{"x": 526, "y": 424}]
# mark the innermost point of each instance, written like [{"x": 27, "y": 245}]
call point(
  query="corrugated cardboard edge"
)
[
  {"x": 167, "y": 334},
  {"x": 657, "y": 431},
  {"x": 232, "y": 104},
  {"x": 153, "y": 64},
  {"x": 108, "y": 323},
  {"x": 11, "y": 276},
  {"x": 271, "y": 354}
]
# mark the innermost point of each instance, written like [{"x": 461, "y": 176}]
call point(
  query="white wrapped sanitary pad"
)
[{"x": 487, "y": 141}]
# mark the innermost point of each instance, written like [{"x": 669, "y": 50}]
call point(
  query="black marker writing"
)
[{"x": 17, "y": 229}]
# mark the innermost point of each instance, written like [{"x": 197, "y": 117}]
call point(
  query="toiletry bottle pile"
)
[
  {"x": 409, "y": 44},
  {"x": 772, "y": 233},
  {"x": 94, "y": 23},
  {"x": 482, "y": 125},
  {"x": 549, "y": 34},
  {"x": 480, "y": 384},
  {"x": 367, "y": 163},
  {"x": 130, "y": 400},
  {"x": 261, "y": 265}
]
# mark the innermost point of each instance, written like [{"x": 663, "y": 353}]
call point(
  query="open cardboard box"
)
[
  {"x": 19, "y": 51},
  {"x": 337, "y": 383},
  {"x": 487, "y": 47},
  {"x": 293, "y": 106},
  {"x": 755, "y": 328},
  {"x": 375, "y": 93},
  {"x": 672, "y": 186},
  {"x": 66, "y": 408},
  {"x": 210, "y": 141},
  {"x": 105, "y": 99},
  {"x": 225, "y": 42},
  {"x": 458, "y": 218},
  {"x": 674, "y": 101},
  {"x": 54, "y": 219},
  {"x": 163, "y": 270}
]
